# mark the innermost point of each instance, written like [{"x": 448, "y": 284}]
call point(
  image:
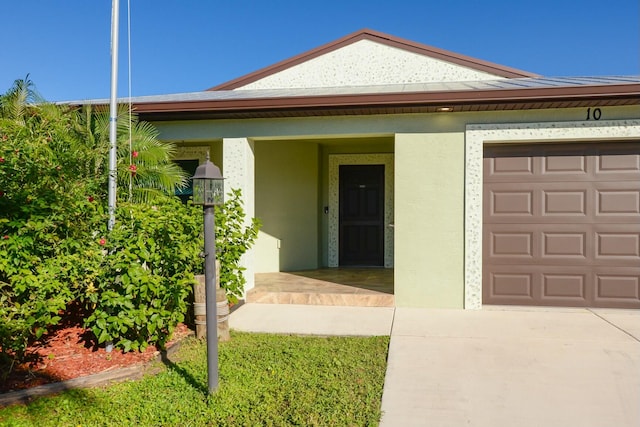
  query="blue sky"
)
[{"x": 191, "y": 45}]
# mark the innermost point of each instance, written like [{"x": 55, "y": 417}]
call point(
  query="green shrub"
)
[
  {"x": 147, "y": 273},
  {"x": 233, "y": 239},
  {"x": 150, "y": 260},
  {"x": 48, "y": 204}
]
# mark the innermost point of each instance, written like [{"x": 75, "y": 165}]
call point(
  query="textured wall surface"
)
[
  {"x": 366, "y": 63},
  {"x": 238, "y": 170},
  {"x": 286, "y": 187},
  {"x": 431, "y": 151},
  {"x": 429, "y": 228}
]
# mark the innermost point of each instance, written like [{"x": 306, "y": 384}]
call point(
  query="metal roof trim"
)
[
  {"x": 372, "y": 99},
  {"x": 525, "y": 93}
]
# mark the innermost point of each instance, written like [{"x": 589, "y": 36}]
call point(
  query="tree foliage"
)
[{"x": 56, "y": 253}]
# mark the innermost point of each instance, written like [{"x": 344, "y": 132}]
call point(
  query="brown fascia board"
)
[
  {"x": 382, "y": 38},
  {"x": 445, "y": 98}
]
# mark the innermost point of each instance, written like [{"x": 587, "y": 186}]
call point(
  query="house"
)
[{"x": 477, "y": 183}]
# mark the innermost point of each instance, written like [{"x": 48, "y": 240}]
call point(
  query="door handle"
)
[{"x": 392, "y": 225}]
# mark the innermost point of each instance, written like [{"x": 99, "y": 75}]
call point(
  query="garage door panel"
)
[
  {"x": 564, "y": 202},
  {"x": 510, "y": 286},
  {"x": 535, "y": 285},
  {"x": 618, "y": 200},
  {"x": 510, "y": 167},
  {"x": 564, "y": 286},
  {"x": 617, "y": 163},
  {"x": 511, "y": 244},
  {"x": 550, "y": 244},
  {"x": 507, "y": 203},
  {"x": 617, "y": 244},
  {"x": 617, "y": 288},
  {"x": 554, "y": 244},
  {"x": 560, "y": 286},
  {"x": 538, "y": 202},
  {"x": 562, "y": 225},
  {"x": 565, "y": 245},
  {"x": 574, "y": 165}
]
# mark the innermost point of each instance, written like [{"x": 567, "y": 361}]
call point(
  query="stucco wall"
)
[
  {"x": 291, "y": 176},
  {"x": 286, "y": 191},
  {"x": 367, "y": 63},
  {"x": 429, "y": 220}
]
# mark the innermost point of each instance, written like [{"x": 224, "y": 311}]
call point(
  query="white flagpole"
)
[{"x": 113, "y": 114}]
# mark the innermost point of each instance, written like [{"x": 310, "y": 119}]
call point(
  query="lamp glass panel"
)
[
  {"x": 213, "y": 191},
  {"x": 198, "y": 191}
]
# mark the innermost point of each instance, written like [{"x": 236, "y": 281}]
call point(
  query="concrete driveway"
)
[
  {"x": 493, "y": 367},
  {"x": 513, "y": 367}
]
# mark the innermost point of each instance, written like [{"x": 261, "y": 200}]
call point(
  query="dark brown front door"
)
[{"x": 362, "y": 215}]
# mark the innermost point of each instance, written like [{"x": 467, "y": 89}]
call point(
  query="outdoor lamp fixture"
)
[{"x": 208, "y": 191}]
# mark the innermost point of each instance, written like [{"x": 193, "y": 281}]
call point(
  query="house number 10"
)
[{"x": 597, "y": 113}]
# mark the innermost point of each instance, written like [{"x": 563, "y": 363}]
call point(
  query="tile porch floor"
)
[{"x": 365, "y": 287}]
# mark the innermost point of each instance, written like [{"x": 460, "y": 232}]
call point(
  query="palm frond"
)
[{"x": 19, "y": 98}]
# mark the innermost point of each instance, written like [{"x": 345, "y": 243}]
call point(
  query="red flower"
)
[
  {"x": 1, "y": 193},
  {"x": 5, "y": 237},
  {"x": 1, "y": 159},
  {"x": 102, "y": 242},
  {"x": 90, "y": 198},
  {"x": 134, "y": 154},
  {"x": 133, "y": 169}
]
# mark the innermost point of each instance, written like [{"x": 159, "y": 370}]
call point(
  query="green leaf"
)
[{"x": 104, "y": 336}]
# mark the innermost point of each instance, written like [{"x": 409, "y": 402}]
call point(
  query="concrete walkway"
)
[{"x": 493, "y": 367}]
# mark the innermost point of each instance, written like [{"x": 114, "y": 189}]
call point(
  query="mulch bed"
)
[{"x": 71, "y": 352}]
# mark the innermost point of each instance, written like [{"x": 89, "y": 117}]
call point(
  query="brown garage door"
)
[{"x": 562, "y": 225}]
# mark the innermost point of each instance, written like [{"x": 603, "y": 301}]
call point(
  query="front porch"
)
[{"x": 364, "y": 287}]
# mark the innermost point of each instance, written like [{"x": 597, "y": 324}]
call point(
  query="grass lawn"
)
[{"x": 265, "y": 379}]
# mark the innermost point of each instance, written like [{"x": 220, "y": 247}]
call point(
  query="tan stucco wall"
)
[
  {"x": 429, "y": 153},
  {"x": 429, "y": 220},
  {"x": 286, "y": 192}
]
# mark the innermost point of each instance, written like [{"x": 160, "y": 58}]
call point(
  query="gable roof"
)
[
  {"x": 504, "y": 89},
  {"x": 382, "y": 39}
]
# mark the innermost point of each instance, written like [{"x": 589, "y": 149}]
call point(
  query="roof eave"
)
[{"x": 622, "y": 93}]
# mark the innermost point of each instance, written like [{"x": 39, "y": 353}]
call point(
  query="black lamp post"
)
[{"x": 208, "y": 191}]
